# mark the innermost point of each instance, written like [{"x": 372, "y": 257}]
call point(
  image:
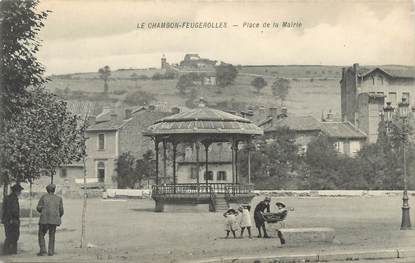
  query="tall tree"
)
[
  {"x": 37, "y": 131},
  {"x": 258, "y": 83},
  {"x": 19, "y": 68},
  {"x": 225, "y": 74},
  {"x": 135, "y": 78},
  {"x": 104, "y": 74},
  {"x": 281, "y": 88}
]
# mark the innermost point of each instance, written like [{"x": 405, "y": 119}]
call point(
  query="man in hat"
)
[
  {"x": 50, "y": 207},
  {"x": 259, "y": 218},
  {"x": 11, "y": 220}
]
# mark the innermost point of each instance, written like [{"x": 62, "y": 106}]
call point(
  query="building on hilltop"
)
[
  {"x": 195, "y": 61},
  {"x": 365, "y": 91}
]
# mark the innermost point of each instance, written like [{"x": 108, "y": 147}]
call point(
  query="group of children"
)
[
  {"x": 235, "y": 220},
  {"x": 240, "y": 219}
]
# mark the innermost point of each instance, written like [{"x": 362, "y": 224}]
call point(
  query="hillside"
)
[{"x": 315, "y": 88}]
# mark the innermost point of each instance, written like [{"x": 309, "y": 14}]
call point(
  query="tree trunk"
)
[
  {"x": 83, "y": 232},
  {"x": 30, "y": 206}
]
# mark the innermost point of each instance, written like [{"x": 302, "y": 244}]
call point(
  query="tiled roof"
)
[
  {"x": 110, "y": 125},
  {"x": 342, "y": 130},
  {"x": 400, "y": 72},
  {"x": 203, "y": 120},
  {"x": 295, "y": 123}
]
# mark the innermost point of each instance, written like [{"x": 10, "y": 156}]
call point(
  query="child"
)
[
  {"x": 231, "y": 223},
  {"x": 245, "y": 219}
]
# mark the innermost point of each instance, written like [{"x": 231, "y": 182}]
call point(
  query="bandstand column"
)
[
  {"x": 236, "y": 162},
  {"x": 206, "y": 144},
  {"x": 233, "y": 160},
  {"x": 197, "y": 167},
  {"x": 249, "y": 161},
  {"x": 156, "y": 149},
  {"x": 174, "y": 165},
  {"x": 164, "y": 161}
]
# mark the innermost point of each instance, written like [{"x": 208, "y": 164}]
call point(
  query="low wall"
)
[{"x": 331, "y": 193}]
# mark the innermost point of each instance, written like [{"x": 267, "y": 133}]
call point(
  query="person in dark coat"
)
[
  {"x": 259, "y": 218},
  {"x": 11, "y": 220},
  {"x": 50, "y": 207}
]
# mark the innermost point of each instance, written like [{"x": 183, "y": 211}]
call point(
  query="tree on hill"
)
[
  {"x": 104, "y": 74},
  {"x": 139, "y": 98},
  {"x": 225, "y": 74},
  {"x": 185, "y": 81},
  {"x": 135, "y": 77},
  {"x": 281, "y": 88},
  {"x": 258, "y": 83}
]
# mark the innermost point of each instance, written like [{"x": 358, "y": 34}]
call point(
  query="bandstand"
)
[{"x": 201, "y": 127}]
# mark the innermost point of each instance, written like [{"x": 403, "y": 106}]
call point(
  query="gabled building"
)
[
  {"x": 305, "y": 128},
  {"x": 365, "y": 91},
  {"x": 347, "y": 138},
  {"x": 111, "y": 135}
]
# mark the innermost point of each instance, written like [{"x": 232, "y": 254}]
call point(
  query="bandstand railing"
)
[{"x": 203, "y": 188}]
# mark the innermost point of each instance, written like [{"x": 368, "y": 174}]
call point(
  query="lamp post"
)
[
  {"x": 403, "y": 114},
  {"x": 388, "y": 110}
]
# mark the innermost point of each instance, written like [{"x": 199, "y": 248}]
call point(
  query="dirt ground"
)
[{"x": 129, "y": 231}]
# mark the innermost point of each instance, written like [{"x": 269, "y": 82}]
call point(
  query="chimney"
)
[
  {"x": 175, "y": 110},
  {"x": 113, "y": 116},
  {"x": 356, "y": 67},
  {"x": 330, "y": 116},
  {"x": 272, "y": 112},
  {"x": 91, "y": 120},
  {"x": 128, "y": 114},
  {"x": 284, "y": 113}
]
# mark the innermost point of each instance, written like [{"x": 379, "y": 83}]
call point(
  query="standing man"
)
[
  {"x": 50, "y": 207},
  {"x": 259, "y": 218},
  {"x": 11, "y": 220}
]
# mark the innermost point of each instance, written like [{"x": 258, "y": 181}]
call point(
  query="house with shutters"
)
[{"x": 113, "y": 133}]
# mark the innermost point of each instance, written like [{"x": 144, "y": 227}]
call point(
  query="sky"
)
[{"x": 82, "y": 36}]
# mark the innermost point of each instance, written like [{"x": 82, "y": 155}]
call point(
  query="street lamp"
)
[
  {"x": 403, "y": 114},
  {"x": 388, "y": 110}
]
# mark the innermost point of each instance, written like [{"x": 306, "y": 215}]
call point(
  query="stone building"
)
[
  {"x": 111, "y": 135},
  {"x": 365, "y": 91},
  {"x": 347, "y": 138},
  {"x": 195, "y": 61}
]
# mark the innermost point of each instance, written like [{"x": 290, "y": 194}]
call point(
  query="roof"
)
[
  {"x": 203, "y": 120},
  {"x": 342, "y": 130},
  {"x": 295, "y": 123},
  {"x": 398, "y": 72},
  {"x": 110, "y": 125}
]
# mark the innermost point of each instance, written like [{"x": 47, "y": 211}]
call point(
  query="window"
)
[
  {"x": 209, "y": 176},
  {"x": 63, "y": 172},
  {"x": 392, "y": 98},
  {"x": 193, "y": 173},
  {"x": 221, "y": 176},
  {"x": 101, "y": 171},
  {"x": 101, "y": 141}
]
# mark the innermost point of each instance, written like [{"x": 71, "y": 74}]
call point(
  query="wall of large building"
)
[
  {"x": 108, "y": 156},
  {"x": 348, "y": 95},
  {"x": 186, "y": 175}
]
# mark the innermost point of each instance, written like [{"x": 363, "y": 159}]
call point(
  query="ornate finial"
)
[{"x": 202, "y": 102}]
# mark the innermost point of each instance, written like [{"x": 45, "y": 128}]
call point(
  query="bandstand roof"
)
[{"x": 203, "y": 120}]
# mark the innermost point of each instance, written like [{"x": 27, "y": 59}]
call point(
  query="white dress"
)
[
  {"x": 245, "y": 218},
  {"x": 231, "y": 223}
]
